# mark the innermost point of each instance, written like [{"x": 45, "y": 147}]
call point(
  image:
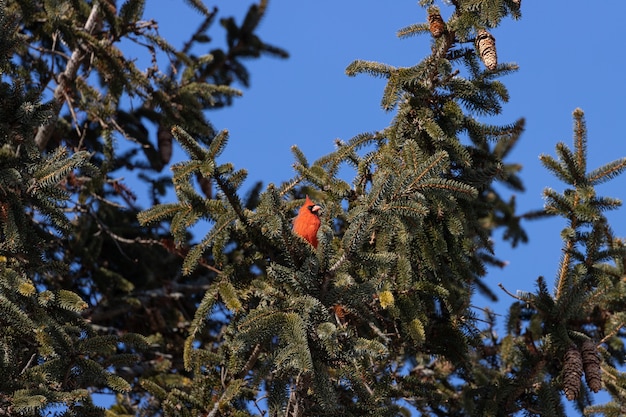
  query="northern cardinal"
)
[{"x": 307, "y": 222}]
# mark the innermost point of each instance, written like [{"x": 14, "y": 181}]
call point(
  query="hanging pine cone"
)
[
  {"x": 437, "y": 26},
  {"x": 572, "y": 372},
  {"x": 206, "y": 185},
  {"x": 164, "y": 142},
  {"x": 486, "y": 49},
  {"x": 591, "y": 365}
]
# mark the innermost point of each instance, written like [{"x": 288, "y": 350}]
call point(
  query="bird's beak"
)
[{"x": 316, "y": 209}]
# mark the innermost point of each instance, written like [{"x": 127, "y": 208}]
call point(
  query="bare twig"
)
[
  {"x": 510, "y": 293},
  {"x": 292, "y": 403},
  {"x": 29, "y": 362},
  {"x": 613, "y": 333},
  {"x": 214, "y": 410},
  {"x": 209, "y": 267},
  {"x": 68, "y": 100}
]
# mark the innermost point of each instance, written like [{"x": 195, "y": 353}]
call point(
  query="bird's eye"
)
[{"x": 310, "y": 208}]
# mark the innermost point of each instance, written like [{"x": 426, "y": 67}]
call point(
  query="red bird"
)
[{"x": 307, "y": 222}]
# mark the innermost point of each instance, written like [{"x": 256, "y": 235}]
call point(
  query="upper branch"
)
[{"x": 66, "y": 78}]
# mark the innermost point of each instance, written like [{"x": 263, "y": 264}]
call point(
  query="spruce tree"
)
[
  {"x": 98, "y": 295},
  {"x": 376, "y": 320},
  {"x": 379, "y": 313},
  {"x": 89, "y": 299}
]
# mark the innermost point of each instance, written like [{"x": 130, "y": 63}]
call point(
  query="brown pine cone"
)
[
  {"x": 437, "y": 26},
  {"x": 164, "y": 143},
  {"x": 591, "y": 365},
  {"x": 572, "y": 372},
  {"x": 486, "y": 49}
]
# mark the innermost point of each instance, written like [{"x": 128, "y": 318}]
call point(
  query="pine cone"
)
[
  {"x": 164, "y": 142},
  {"x": 572, "y": 372},
  {"x": 591, "y": 365},
  {"x": 437, "y": 26},
  {"x": 206, "y": 185},
  {"x": 486, "y": 48}
]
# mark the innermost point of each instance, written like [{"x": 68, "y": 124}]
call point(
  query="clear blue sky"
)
[{"x": 570, "y": 53}]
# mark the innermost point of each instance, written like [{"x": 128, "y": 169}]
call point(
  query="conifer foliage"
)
[
  {"x": 89, "y": 300},
  {"x": 98, "y": 295}
]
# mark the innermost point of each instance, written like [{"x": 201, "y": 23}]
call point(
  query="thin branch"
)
[
  {"x": 251, "y": 361},
  {"x": 215, "y": 408},
  {"x": 30, "y": 361},
  {"x": 293, "y": 399},
  {"x": 202, "y": 263},
  {"x": 290, "y": 186},
  {"x": 44, "y": 51},
  {"x": 68, "y": 100},
  {"x": 613, "y": 333},
  {"x": 564, "y": 269},
  {"x": 511, "y": 294},
  {"x": 67, "y": 78}
]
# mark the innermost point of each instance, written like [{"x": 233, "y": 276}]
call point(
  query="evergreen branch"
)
[
  {"x": 300, "y": 157},
  {"x": 71, "y": 301},
  {"x": 190, "y": 145},
  {"x": 233, "y": 198},
  {"x": 565, "y": 266},
  {"x": 412, "y": 155},
  {"x": 407, "y": 209},
  {"x": 208, "y": 300},
  {"x": 193, "y": 256},
  {"x": 342, "y": 259},
  {"x": 603, "y": 204},
  {"x": 67, "y": 78},
  {"x": 392, "y": 92},
  {"x": 556, "y": 168},
  {"x": 288, "y": 186},
  {"x": 13, "y": 316},
  {"x": 206, "y": 91},
  {"x": 570, "y": 164},
  {"x": 202, "y": 28},
  {"x": 373, "y": 68},
  {"x": 183, "y": 170},
  {"x": 157, "y": 213},
  {"x": 131, "y": 11},
  {"x": 434, "y": 165},
  {"x": 58, "y": 167},
  {"x": 580, "y": 139},
  {"x": 557, "y": 203},
  {"x": 216, "y": 407},
  {"x": 381, "y": 188},
  {"x": 274, "y": 51},
  {"x": 606, "y": 172},
  {"x": 253, "y": 17},
  {"x": 412, "y": 30},
  {"x": 450, "y": 185},
  {"x": 199, "y": 6}
]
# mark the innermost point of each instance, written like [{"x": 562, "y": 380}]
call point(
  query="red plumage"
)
[{"x": 307, "y": 222}]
